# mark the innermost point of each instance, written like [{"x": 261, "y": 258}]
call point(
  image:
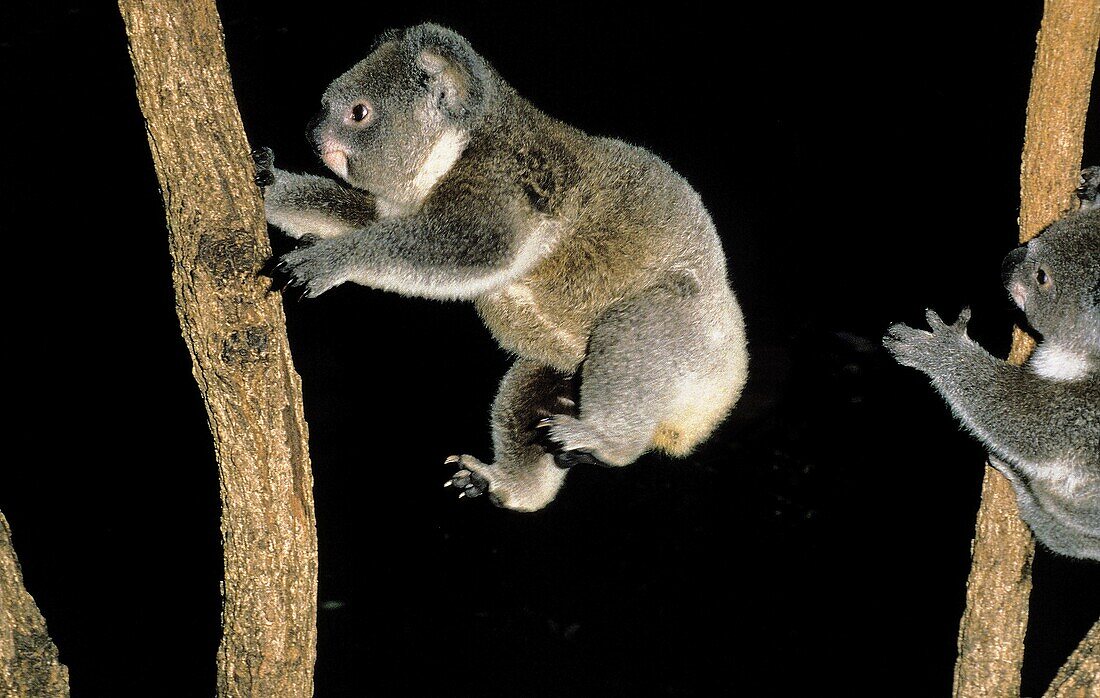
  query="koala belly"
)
[{"x": 521, "y": 324}]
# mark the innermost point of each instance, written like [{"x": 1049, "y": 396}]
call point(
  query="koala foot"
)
[
  {"x": 1089, "y": 191},
  {"x": 567, "y": 459},
  {"x": 571, "y": 441},
  {"x": 264, "y": 159},
  {"x": 471, "y": 480},
  {"x": 527, "y": 486}
]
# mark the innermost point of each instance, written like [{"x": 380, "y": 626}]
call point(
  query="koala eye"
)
[
  {"x": 1042, "y": 278},
  {"x": 359, "y": 113}
]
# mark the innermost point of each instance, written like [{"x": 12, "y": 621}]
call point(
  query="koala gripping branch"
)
[
  {"x": 991, "y": 634},
  {"x": 236, "y": 334}
]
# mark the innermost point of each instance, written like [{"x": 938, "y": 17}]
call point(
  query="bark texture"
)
[
  {"x": 991, "y": 634},
  {"x": 1079, "y": 677},
  {"x": 28, "y": 658},
  {"x": 236, "y": 334}
]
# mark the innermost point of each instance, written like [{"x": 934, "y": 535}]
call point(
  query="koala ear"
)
[{"x": 459, "y": 76}]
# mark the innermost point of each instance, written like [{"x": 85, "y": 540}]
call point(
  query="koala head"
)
[
  {"x": 381, "y": 120},
  {"x": 1055, "y": 280}
]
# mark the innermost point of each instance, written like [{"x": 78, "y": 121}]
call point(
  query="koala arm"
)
[
  {"x": 1008, "y": 408},
  {"x": 460, "y": 244},
  {"x": 305, "y": 205}
]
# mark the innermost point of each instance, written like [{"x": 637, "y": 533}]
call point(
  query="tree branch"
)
[
  {"x": 1079, "y": 677},
  {"x": 236, "y": 335},
  {"x": 28, "y": 658},
  {"x": 991, "y": 634}
]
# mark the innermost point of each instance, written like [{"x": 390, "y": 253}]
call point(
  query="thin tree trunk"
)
[
  {"x": 28, "y": 658},
  {"x": 236, "y": 334},
  {"x": 991, "y": 634},
  {"x": 1079, "y": 677}
]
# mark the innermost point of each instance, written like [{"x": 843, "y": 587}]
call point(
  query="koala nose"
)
[{"x": 1011, "y": 262}]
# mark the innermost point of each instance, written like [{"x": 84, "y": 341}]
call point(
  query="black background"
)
[{"x": 860, "y": 163}]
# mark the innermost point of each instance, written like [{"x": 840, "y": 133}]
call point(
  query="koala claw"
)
[
  {"x": 281, "y": 281},
  {"x": 265, "y": 166},
  {"x": 307, "y": 269},
  {"x": 469, "y": 483}
]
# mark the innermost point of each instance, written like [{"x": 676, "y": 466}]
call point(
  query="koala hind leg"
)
[
  {"x": 662, "y": 370},
  {"x": 524, "y": 475}
]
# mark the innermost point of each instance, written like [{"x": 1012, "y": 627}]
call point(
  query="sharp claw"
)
[
  {"x": 545, "y": 423},
  {"x": 268, "y": 269},
  {"x": 461, "y": 494},
  {"x": 452, "y": 459},
  {"x": 448, "y": 483}
]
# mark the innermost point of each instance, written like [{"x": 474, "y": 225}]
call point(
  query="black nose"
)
[{"x": 1011, "y": 262}]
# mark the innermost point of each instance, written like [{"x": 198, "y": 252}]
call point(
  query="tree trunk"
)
[
  {"x": 28, "y": 658},
  {"x": 236, "y": 334},
  {"x": 991, "y": 634}
]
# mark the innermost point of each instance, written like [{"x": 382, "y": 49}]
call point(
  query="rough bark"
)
[
  {"x": 991, "y": 634},
  {"x": 28, "y": 658},
  {"x": 236, "y": 334},
  {"x": 1079, "y": 677}
]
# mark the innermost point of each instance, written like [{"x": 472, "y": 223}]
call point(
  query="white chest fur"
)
[
  {"x": 1059, "y": 363},
  {"x": 438, "y": 162}
]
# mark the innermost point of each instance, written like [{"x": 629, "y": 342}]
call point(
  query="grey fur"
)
[
  {"x": 1040, "y": 422},
  {"x": 590, "y": 259}
]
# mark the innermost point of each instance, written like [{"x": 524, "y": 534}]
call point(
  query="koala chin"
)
[
  {"x": 589, "y": 259},
  {"x": 1040, "y": 422}
]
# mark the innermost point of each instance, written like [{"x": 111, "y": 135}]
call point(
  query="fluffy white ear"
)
[
  {"x": 452, "y": 81},
  {"x": 459, "y": 77}
]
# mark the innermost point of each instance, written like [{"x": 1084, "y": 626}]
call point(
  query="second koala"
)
[
  {"x": 1040, "y": 422},
  {"x": 591, "y": 260}
]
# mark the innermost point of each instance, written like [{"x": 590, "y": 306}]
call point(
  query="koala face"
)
[
  {"x": 378, "y": 121},
  {"x": 1054, "y": 278},
  {"x": 381, "y": 120}
]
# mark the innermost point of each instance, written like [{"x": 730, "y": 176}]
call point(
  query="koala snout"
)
[
  {"x": 1008, "y": 266},
  {"x": 335, "y": 157},
  {"x": 1019, "y": 295}
]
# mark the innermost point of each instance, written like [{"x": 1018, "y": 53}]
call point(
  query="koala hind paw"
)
[
  {"x": 467, "y": 480},
  {"x": 568, "y": 435}
]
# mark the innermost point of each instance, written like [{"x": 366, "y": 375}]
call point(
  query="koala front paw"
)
[
  {"x": 1089, "y": 190},
  {"x": 472, "y": 479},
  {"x": 264, "y": 160},
  {"x": 923, "y": 350},
  {"x": 310, "y": 269}
]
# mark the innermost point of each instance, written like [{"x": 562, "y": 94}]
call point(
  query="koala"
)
[
  {"x": 1040, "y": 422},
  {"x": 589, "y": 259}
]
